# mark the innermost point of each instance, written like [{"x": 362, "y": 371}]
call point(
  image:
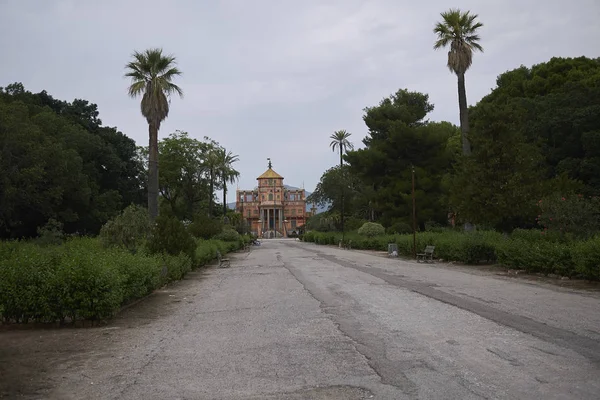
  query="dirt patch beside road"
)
[{"x": 28, "y": 353}]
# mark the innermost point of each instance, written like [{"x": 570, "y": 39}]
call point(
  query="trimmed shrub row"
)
[
  {"x": 82, "y": 279},
  {"x": 527, "y": 250}
]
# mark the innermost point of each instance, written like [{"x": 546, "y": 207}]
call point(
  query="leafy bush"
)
[
  {"x": 204, "y": 227},
  {"x": 170, "y": 236},
  {"x": 128, "y": 230},
  {"x": 586, "y": 257},
  {"x": 323, "y": 222},
  {"x": 399, "y": 228},
  {"x": 353, "y": 223},
  {"x": 83, "y": 279},
  {"x": 371, "y": 229},
  {"x": 228, "y": 235},
  {"x": 176, "y": 266},
  {"x": 51, "y": 233},
  {"x": 575, "y": 215},
  {"x": 527, "y": 250},
  {"x": 539, "y": 256}
]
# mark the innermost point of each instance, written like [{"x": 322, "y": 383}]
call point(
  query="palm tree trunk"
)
[
  {"x": 343, "y": 183},
  {"x": 153, "y": 171},
  {"x": 464, "y": 114},
  {"x": 464, "y": 127},
  {"x": 224, "y": 198}
]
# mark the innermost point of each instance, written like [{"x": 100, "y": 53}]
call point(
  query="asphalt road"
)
[{"x": 291, "y": 320}]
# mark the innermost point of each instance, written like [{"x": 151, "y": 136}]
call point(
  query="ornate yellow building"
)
[{"x": 271, "y": 209}]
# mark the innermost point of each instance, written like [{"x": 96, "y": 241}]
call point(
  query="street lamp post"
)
[
  {"x": 242, "y": 203},
  {"x": 414, "y": 214}
]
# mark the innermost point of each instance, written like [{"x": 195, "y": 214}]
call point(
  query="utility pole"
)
[{"x": 414, "y": 214}]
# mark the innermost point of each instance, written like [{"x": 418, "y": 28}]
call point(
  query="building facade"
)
[{"x": 271, "y": 209}]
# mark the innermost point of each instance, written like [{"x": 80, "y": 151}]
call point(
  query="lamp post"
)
[
  {"x": 414, "y": 214},
  {"x": 242, "y": 203}
]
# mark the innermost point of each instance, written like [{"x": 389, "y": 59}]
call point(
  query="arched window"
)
[{"x": 270, "y": 196}]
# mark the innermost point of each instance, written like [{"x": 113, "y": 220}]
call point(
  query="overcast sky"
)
[{"x": 274, "y": 78}]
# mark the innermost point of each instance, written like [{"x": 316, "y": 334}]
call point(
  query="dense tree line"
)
[
  {"x": 535, "y": 136},
  {"x": 58, "y": 162}
]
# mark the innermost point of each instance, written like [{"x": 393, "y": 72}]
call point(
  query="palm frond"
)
[
  {"x": 458, "y": 30},
  {"x": 151, "y": 75}
]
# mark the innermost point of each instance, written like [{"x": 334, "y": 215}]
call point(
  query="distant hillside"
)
[{"x": 231, "y": 206}]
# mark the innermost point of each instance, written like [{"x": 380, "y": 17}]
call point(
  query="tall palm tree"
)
[
  {"x": 339, "y": 141},
  {"x": 151, "y": 75},
  {"x": 459, "y": 30},
  {"x": 226, "y": 171}
]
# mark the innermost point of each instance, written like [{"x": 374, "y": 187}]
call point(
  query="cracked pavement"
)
[{"x": 292, "y": 320}]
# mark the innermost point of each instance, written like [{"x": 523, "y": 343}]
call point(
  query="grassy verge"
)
[{"x": 526, "y": 250}]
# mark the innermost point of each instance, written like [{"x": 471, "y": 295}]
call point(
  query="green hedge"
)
[
  {"x": 83, "y": 279},
  {"x": 532, "y": 251}
]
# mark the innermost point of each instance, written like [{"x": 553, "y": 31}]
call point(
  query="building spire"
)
[{"x": 270, "y": 166}]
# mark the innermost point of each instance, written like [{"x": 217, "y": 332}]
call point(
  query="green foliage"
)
[
  {"x": 228, "y": 235},
  {"x": 323, "y": 222},
  {"x": 586, "y": 257},
  {"x": 83, "y": 279},
  {"x": 203, "y": 227},
  {"x": 334, "y": 183},
  {"x": 558, "y": 109},
  {"x": 570, "y": 215},
  {"x": 371, "y": 229},
  {"x": 400, "y": 139},
  {"x": 128, "y": 230},
  {"x": 399, "y": 228},
  {"x": 58, "y": 162},
  {"x": 51, "y": 233},
  {"x": 353, "y": 223},
  {"x": 170, "y": 236},
  {"x": 527, "y": 250},
  {"x": 182, "y": 181},
  {"x": 177, "y": 265},
  {"x": 502, "y": 180}
]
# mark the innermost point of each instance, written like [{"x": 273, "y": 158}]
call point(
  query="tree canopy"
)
[
  {"x": 58, "y": 161},
  {"x": 535, "y": 136}
]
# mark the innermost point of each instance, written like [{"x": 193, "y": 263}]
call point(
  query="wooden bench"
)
[
  {"x": 223, "y": 262},
  {"x": 426, "y": 255}
]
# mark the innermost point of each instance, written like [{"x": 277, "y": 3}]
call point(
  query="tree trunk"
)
[
  {"x": 343, "y": 183},
  {"x": 153, "y": 171},
  {"x": 464, "y": 127},
  {"x": 464, "y": 115},
  {"x": 224, "y": 199}
]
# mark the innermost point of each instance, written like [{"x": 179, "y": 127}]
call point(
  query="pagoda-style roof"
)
[{"x": 270, "y": 174}]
